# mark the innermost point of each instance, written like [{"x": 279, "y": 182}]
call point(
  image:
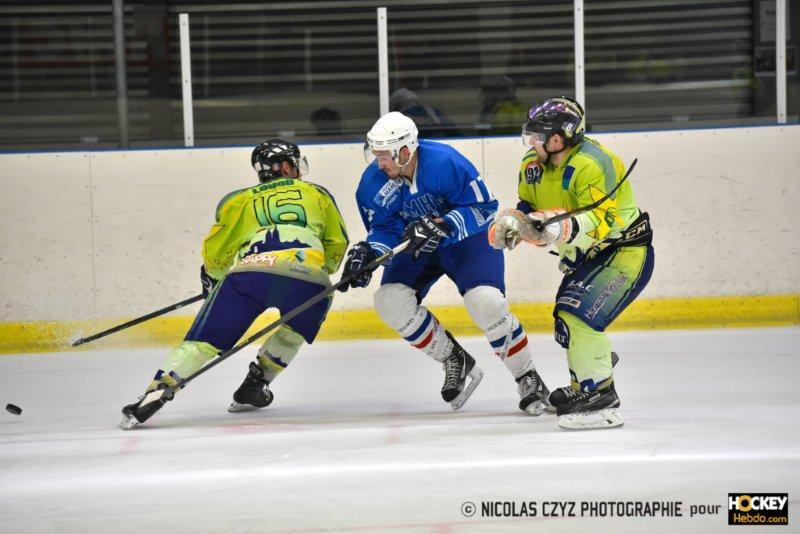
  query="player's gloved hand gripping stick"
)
[{"x": 169, "y": 392}]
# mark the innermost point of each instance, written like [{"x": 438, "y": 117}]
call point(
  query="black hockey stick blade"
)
[
  {"x": 374, "y": 264},
  {"x": 138, "y": 320},
  {"x": 561, "y": 216}
]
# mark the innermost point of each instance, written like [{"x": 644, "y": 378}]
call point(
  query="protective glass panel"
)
[
  {"x": 474, "y": 68},
  {"x": 57, "y": 76},
  {"x": 308, "y": 71},
  {"x": 680, "y": 63}
]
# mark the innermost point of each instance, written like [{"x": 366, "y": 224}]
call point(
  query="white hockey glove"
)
[
  {"x": 556, "y": 232},
  {"x": 506, "y": 231}
]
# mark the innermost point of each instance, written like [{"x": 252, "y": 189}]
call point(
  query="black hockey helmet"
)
[
  {"x": 561, "y": 115},
  {"x": 268, "y": 156}
]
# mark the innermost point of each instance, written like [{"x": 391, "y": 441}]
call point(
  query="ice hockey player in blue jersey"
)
[{"x": 430, "y": 195}]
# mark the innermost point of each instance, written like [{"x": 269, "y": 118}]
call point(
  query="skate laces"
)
[
  {"x": 577, "y": 396},
  {"x": 255, "y": 374},
  {"x": 452, "y": 372},
  {"x": 529, "y": 384}
]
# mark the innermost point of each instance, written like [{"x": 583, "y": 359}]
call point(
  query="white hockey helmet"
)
[{"x": 392, "y": 132}]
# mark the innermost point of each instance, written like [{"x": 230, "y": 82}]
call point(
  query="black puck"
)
[{"x": 13, "y": 408}]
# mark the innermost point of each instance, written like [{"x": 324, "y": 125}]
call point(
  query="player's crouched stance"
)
[
  {"x": 606, "y": 253},
  {"x": 273, "y": 246}
]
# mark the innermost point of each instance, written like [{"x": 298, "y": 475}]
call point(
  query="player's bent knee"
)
[
  {"x": 562, "y": 332},
  {"x": 284, "y": 340},
  {"x": 570, "y": 330},
  {"x": 396, "y": 304},
  {"x": 486, "y": 305},
  {"x": 190, "y": 356}
]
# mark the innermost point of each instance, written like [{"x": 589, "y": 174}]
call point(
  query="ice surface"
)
[{"x": 358, "y": 440}]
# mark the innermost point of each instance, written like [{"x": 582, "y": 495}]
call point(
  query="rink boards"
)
[{"x": 110, "y": 235}]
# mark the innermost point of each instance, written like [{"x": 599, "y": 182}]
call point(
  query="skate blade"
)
[
  {"x": 128, "y": 422},
  {"x": 607, "y": 418},
  {"x": 476, "y": 375},
  {"x": 537, "y": 408},
  {"x": 236, "y": 407}
]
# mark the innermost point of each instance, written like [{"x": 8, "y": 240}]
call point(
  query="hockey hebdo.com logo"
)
[{"x": 758, "y": 508}]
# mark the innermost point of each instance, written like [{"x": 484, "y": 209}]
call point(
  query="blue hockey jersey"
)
[{"x": 446, "y": 185}]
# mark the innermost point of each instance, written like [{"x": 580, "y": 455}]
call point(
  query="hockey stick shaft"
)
[
  {"x": 374, "y": 264},
  {"x": 561, "y": 216},
  {"x": 138, "y": 320}
]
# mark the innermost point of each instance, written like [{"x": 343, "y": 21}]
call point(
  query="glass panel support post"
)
[
  {"x": 383, "y": 61},
  {"x": 580, "y": 67},
  {"x": 186, "y": 80},
  {"x": 780, "y": 60},
  {"x": 121, "y": 74}
]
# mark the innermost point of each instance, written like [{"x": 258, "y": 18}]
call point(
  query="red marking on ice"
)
[
  {"x": 130, "y": 445},
  {"x": 254, "y": 428}
]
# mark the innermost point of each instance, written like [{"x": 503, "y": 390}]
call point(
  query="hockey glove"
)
[
  {"x": 360, "y": 255},
  {"x": 557, "y": 232},
  {"x": 424, "y": 235},
  {"x": 206, "y": 281},
  {"x": 506, "y": 231}
]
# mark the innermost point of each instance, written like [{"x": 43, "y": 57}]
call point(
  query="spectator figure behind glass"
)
[
  {"x": 430, "y": 121},
  {"x": 501, "y": 112},
  {"x": 326, "y": 121}
]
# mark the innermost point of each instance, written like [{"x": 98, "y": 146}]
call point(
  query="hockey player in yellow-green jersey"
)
[
  {"x": 606, "y": 254},
  {"x": 273, "y": 245}
]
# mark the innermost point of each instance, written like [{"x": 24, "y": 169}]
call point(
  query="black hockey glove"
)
[
  {"x": 360, "y": 255},
  {"x": 206, "y": 281},
  {"x": 424, "y": 235}
]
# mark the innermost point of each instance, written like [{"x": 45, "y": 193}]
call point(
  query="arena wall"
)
[{"x": 99, "y": 236}]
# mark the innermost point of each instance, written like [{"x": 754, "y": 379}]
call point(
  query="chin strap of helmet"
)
[
  {"x": 404, "y": 165},
  {"x": 567, "y": 146}
]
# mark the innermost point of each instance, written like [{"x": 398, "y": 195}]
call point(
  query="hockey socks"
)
[
  {"x": 510, "y": 344},
  {"x": 424, "y": 332}
]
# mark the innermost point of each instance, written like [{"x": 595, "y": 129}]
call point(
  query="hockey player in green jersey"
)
[
  {"x": 606, "y": 253},
  {"x": 273, "y": 245}
]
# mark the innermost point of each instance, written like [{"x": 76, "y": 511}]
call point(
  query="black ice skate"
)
[
  {"x": 563, "y": 395},
  {"x": 457, "y": 367},
  {"x": 254, "y": 392},
  {"x": 533, "y": 394},
  {"x": 147, "y": 405},
  {"x": 579, "y": 410}
]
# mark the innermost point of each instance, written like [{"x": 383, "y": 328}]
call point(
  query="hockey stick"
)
[
  {"x": 138, "y": 320},
  {"x": 169, "y": 392},
  {"x": 539, "y": 225}
]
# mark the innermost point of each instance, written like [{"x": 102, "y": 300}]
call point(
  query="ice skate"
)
[
  {"x": 533, "y": 394},
  {"x": 147, "y": 405},
  {"x": 554, "y": 400},
  {"x": 579, "y": 410},
  {"x": 254, "y": 392},
  {"x": 457, "y": 368}
]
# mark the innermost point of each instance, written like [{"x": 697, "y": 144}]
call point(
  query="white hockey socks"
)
[{"x": 510, "y": 344}]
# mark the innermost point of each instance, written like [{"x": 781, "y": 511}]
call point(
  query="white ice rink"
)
[{"x": 358, "y": 440}]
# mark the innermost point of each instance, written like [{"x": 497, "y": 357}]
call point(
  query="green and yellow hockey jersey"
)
[
  {"x": 285, "y": 226},
  {"x": 588, "y": 173}
]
